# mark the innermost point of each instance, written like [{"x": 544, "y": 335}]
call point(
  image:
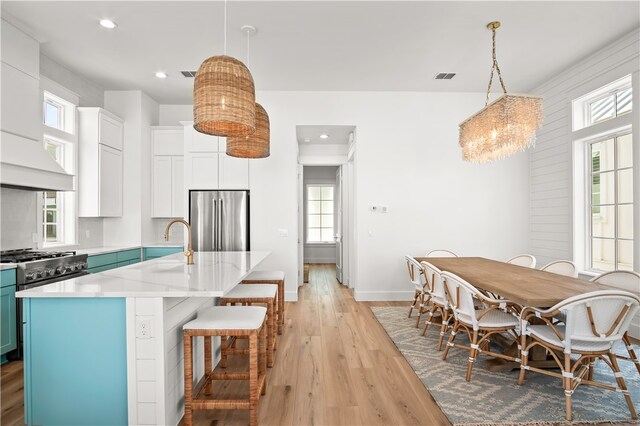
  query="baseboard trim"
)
[
  {"x": 382, "y": 296},
  {"x": 320, "y": 260}
]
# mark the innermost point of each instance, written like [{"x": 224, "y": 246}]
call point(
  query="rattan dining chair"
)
[
  {"x": 628, "y": 281},
  {"x": 441, "y": 253},
  {"x": 561, "y": 267},
  {"x": 421, "y": 296},
  {"x": 479, "y": 325},
  {"x": 595, "y": 321},
  {"x": 526, "y": 260},
  {"x": 439, "y": 301}
]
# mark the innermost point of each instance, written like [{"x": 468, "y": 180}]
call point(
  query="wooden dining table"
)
[{"x": 522, "y": 285}]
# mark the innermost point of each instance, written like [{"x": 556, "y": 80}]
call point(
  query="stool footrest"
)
[
  {"x": 229, "y": 375},
  {"x": 229, "y": 404},
  {"x": 237, "y": 351}
]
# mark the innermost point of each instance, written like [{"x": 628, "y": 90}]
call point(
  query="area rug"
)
[{"x": 495, "y": 398}]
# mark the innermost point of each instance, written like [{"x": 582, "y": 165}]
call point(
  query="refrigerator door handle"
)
[
  {"x": 215, "y": 225},
  {"x": 219, "y": 248}
]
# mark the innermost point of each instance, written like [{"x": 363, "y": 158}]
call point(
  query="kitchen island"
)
[{"x": 106, "y": 348}]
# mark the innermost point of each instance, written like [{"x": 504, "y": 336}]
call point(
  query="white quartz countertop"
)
[
  {"x": 4, "y": 266},
  {"x": 213, "y": 274}
]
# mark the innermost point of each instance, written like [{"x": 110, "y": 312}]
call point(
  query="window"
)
[
  {"x": 53, "y": 202},
  {"x": 59, "y": 136},
  {"x": 611, "y": 199},
  {"x": 606, "y": 103},
  {"x": 320, "y": 214},
  {"x": 604, "y": 236}
]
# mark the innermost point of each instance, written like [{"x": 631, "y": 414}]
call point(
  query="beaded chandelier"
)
[{"x": 504, "y": 126}]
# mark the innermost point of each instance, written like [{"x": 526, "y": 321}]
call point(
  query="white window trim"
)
[
  {"x": 306, "y": 216},
  {"x": 585, "y": 145},
  {"x": 69, "y": 137}
]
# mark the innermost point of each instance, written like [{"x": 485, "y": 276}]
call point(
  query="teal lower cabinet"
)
[
  {"x": 75, "y": 361},
  {"x": 156, "y": 252},
  {"x": 8, "y": 331},
  {"x": 104, "y": 262}
]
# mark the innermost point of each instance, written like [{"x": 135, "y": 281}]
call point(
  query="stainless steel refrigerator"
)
[{"x": 219, "y": 220}]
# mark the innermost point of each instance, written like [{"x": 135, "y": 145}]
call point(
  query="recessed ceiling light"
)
[
  {"x": 161, "y": 74},
  {"x": 307, "y": 140},
  {"x": 324, "y": 136},
  {"x": 108, "y": 23}
]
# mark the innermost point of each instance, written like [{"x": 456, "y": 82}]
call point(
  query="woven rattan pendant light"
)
[
  {"x": 224, "y": 95},
  {"x": 256, "y": 145},
  {"x": 504, "y": 126}
]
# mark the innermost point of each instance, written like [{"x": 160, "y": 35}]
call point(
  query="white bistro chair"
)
[
  {"x": 479, "y": 325},
  {"x": 421, "y": 296},
  {"x": 523, "y": 260},
  {"x": 561, "y": 267},
  {"x": 594, "y": 323},
  {"x": 439, "y": 300},
  {"x": 628, "y": 281},
  {"x": 441, "y": 253}
]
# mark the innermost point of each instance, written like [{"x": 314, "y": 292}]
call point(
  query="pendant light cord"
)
[
  {"x": 248, "y": 46},
  {"x": 494, "y": 67},
  {"x": 225, "y": 27}
]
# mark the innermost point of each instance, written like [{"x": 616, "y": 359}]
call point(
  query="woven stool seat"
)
[
  {"x": 250, "y": 291},
  {"x": 265, "y": 276},
  {"x": 228, "y": 318}
]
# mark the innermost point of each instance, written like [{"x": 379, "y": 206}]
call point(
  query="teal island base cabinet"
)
[
  {"x": 156, "y": 252},
  {"x": 75, "y": 361},
  {"x": 8, "y": 331},
  {"x": 104, "y": 262}
]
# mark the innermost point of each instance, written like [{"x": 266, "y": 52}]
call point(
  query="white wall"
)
[
  {"x": 551, "y": 190},
  {"x": 318, "y": 253},
  {"x": 408, "y": 159}
]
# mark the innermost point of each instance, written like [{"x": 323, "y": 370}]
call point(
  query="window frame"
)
[
  {"x": 588, "y": 175},
  {"x": 66, "y": 137},
  {"x": 307, "y": 214}
]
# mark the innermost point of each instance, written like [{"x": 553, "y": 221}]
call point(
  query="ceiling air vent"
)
[
  {"x": 188, "y": 74},
  {"x": 444, "y": 76}
]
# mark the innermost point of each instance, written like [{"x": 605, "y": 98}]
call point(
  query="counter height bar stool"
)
[
  {"x": 265, "y": 294},
  {"x": 270, "y": 277},
  {"x": 247, "y": 321}
]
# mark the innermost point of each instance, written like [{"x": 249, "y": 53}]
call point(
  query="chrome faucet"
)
[{"x": 189, "y": 252}]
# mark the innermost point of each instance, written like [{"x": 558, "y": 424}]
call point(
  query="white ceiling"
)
[
  {"x": 310, "y": 135},
  {"x": 322, "y": 45}
]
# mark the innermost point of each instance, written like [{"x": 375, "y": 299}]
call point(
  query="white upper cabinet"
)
[
  {"x": 167, "y": 183},
  {"x": 207, "y": 166},
  {"x": 20, "y": 84},
  {"x": 110, "y": 177},
  {"x": 100, "y": 163}
]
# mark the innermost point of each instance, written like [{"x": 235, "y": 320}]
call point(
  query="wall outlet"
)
[
  {"x": 87, "y": 233},
  {"x": 374, "y": 208},
  {"x": 143, "y": 328},
  {"x": 384, "y": 209},
  {"x": 283, "y": 232}
]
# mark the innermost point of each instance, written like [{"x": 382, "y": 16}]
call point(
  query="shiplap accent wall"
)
[{"x": 551, "y": 161}]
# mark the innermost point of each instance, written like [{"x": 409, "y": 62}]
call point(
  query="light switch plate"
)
[{"x": 283, "y": 232}]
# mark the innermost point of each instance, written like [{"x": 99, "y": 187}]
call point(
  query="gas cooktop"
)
[{"x": 29, "y": 255}]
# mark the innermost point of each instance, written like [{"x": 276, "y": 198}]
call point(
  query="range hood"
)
[{"x": 25, "y": 164}]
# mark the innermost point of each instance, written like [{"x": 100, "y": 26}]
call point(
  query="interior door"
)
[{"x": 337, "y": 196}]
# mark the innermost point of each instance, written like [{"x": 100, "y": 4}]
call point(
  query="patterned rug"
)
[{"x": 495, "y": 398}]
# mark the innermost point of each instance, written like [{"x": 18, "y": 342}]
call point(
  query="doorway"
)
[{"x": 326, "y": 157}]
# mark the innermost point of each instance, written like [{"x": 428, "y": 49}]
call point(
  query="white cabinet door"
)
[
  {"x": 110, "y": 186},
  {"x": 204, "y": 170},
  {"x": 203, "y": 143},
  {"x": 177, "y": 186},
  {"x": 111, "y": 132},
  {"x": 234, "y": 172},
  {"x": 21, "y": 111},
  {"x": 161, "y": 186}
]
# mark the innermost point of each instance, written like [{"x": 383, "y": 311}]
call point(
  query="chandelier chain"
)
[
  {"x": 225, "y": 27},
  {"x": 494, "y": 67}
]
